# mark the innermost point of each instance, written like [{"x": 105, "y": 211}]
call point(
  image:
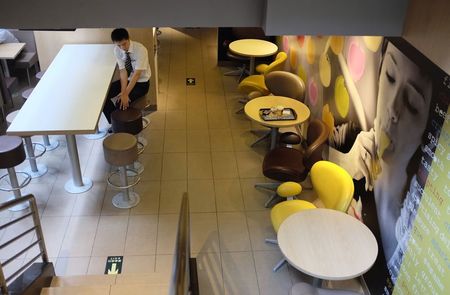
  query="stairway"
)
[{"x": 136, "y": 284}]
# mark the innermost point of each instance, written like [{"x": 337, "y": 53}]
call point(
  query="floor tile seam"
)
[{"x": 65, "y": 234}]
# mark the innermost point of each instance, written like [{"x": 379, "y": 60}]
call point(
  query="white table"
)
[
  {"x": 253, "y": 48},
  {"x": 252, "y": 108},
  {"x": 327, "y": 244},
  {"x": 69, "y": 100},
  {"x": 9, "y": 51}
]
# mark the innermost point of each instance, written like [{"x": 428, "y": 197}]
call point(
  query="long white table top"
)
[
  {"x": 70, "y": 96},
  {"x": 10, "y": 50}
]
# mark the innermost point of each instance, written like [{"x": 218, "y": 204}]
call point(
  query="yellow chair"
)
[
  {"x": 333, "y": 186},
  {"x": 255, "y": 84}
]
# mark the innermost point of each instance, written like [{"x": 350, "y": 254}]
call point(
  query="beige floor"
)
[{"x": 197, "y": 144}]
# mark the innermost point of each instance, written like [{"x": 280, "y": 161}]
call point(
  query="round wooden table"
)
[
  {"x": 253, "y": 48},
  {"x": 327, "y": 244},
  {"x": 252, "y": 108}
]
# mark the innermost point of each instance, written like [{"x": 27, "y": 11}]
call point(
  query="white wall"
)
[
  {"x": 48, "y": 44},
  {"x": 427, "y": 28}
]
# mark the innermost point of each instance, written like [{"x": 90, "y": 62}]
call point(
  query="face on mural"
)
[{"x": 404, "y": 97}]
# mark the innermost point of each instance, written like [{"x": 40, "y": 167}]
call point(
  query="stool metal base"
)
[
  {"x": 54, "y": 144},
  {"x": 143, "y": 140},
  {"x": 70, "y": 186},
  {"x": 137, "y": 167},
  {"x": 19, "y": 207},
  {"x": 97, "y": 135},
  {"x": 119, "y": 200},
  {"x": 41, "y": 170}
]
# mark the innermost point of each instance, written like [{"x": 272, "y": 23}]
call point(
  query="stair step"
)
[
  {"x": 135, "y": 289},
  {"x": 140, "y": 289},
  {"x": 106, "y": 280},
  {"x": 77, "y": 290},
  {"x": 143, "y": 278}
]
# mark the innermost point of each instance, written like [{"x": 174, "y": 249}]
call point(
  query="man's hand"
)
[{"x": 124, "y": 101}]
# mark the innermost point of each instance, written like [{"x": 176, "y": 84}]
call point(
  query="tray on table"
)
[{"x": 287, "y": 114}]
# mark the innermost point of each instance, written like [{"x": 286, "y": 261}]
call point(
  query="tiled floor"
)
[{"x": 196, "y": 144}]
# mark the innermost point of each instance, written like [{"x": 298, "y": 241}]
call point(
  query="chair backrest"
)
[
  {"x": 285, "y": 84},
  {"x": 277, "y": 64},
  {"x": 333, "y": 185},
  {"x": 26, "y": 37},
  {"x": 316, "y": 139}
]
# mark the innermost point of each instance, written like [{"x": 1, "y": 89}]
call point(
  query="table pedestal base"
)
[
  {"x": 50, "y": 145},
  {"x": 72, "y": 188},
  {"x": 97, "y": 135}
]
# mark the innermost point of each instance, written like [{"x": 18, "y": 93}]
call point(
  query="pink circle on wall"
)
[
  {"x": 300, "y": 40},
  {"x": 356, "y": 59},
  {"x": 313, "y": 92},
  {"x": 285, "y": 43}
]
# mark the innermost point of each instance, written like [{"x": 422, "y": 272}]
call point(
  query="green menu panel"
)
[{"x": 426, "y": 265}]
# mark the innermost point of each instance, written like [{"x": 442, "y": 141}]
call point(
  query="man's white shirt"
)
[{"x": 139, "y": 60}]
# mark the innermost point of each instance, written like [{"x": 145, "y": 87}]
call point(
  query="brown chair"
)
[
  {"x": 289, "y": 164},
  {"x": 28, "y": 58},
  {"x": 286, "y": 84}
]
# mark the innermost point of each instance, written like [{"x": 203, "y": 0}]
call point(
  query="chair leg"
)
[
  {"x": 264, "y": 137},
  {"x": 272, "y": 186},
  {"x": 237, "y": 72},
  {"x": 279, "y": 265},
  {"x": 28, "y": 76},
  {"x": 271, "y": 241},
  {"x": 272, "y": 201}
]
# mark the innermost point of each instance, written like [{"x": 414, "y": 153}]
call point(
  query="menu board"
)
[{"x": 426, "y": 265}]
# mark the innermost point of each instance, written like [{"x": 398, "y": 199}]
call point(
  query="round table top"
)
[
  {"x": 327, "y": 244},
  {"x": 253, "y": 47},
  {"x": 252, "y": 108}
]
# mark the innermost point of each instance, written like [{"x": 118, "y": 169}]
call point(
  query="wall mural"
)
[{"x": 385, "y": 104}]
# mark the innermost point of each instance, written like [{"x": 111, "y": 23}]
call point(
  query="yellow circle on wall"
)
[
  {"x": 293, "y": 57},
  {"x": 310, "y": 50},
  {"x": 373, "y": 42},
  {"x": 302, "y": 73},
  {"x": 327, "y": 118},
  {"x": 341, "y": 97},
  {"x": 325, "y": 70},
  {"x": 337, "y": 44}
]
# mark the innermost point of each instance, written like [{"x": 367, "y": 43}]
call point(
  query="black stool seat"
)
[
  {"x": 127, "y": 121},
  {"x": 12, "y": 152}
]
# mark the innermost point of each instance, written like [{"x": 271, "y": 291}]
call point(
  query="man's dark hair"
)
[{"x": 119, "y": 35}]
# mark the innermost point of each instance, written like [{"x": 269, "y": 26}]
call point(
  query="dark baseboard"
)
[
  {"x": 39, "y": 275},
  {"x": 194, "y": 289}
]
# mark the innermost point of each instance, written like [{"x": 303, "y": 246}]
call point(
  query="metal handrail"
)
[
  {"x": 180, "y": 279},
  {"x": 39, "y": 239}
]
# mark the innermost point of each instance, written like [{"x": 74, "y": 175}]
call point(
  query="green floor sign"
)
[{"x": 113, "y": 265}]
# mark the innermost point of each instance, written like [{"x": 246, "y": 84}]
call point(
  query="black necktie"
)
[{"x": 128, "y": 65}]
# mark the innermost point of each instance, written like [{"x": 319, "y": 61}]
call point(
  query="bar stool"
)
[
  {"x": 120, "y": 149},
  {"x": 12, "y": 154},
  {"x": 142, "y": 104},
  {"x": 35, "y": 170},
  {"x": 129, "y": 121},
  {"x": 50, "y": 146}
]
